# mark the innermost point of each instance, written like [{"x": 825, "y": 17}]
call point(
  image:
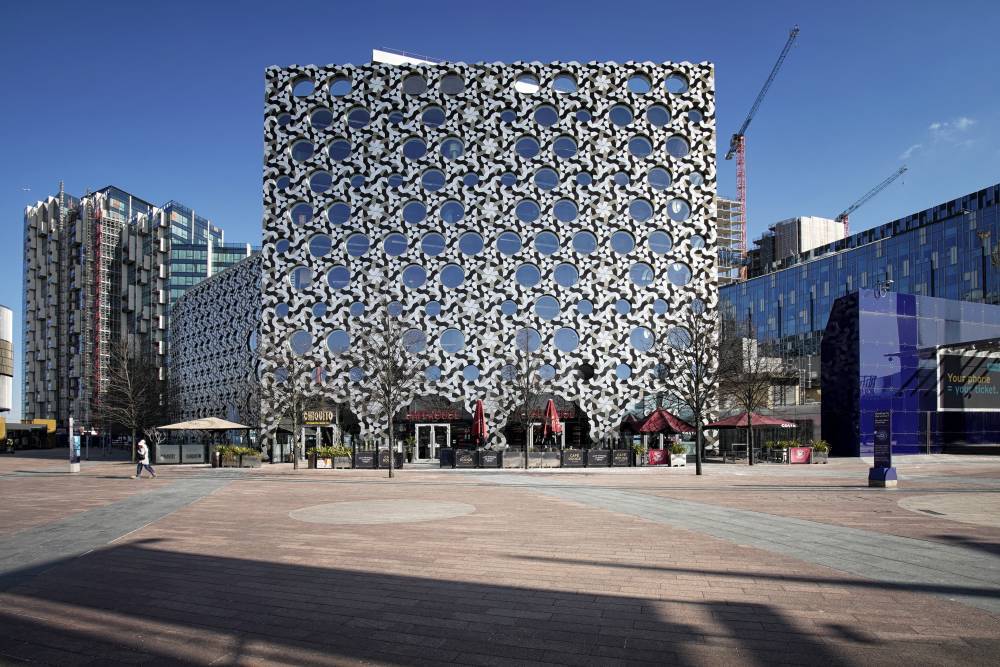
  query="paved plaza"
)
[{"x": 765, "y": 565}]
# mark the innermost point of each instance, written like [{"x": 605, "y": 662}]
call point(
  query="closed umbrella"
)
[
  {"x": 479, "y": 425},
  {"x": 550, "y": 422}
]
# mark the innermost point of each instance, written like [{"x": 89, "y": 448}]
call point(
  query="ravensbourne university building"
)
[{"x": 567, "y": 205}]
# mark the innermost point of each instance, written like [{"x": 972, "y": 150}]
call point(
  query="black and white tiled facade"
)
[{"x": 574, "y": 203}]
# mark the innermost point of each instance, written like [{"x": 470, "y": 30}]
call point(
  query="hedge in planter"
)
[
  {"x": 229, "y": 456},
  {"x": 820, "y": 451},
  {"x": 678, "y": 455}
]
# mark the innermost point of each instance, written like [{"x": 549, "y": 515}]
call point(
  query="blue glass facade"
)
[{"x": 879, "y": 352}]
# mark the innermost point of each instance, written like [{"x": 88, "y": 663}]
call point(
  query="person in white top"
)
[{"x": 143, "y": 452}]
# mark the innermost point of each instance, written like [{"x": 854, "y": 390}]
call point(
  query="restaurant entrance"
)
[{"x": 430, "y": 439}]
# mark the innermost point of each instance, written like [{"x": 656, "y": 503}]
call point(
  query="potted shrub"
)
[
  {"x": 408, "y": 446},
  {"x": 639, "y": 454},
  {"x": 249, "y": 457},
  {"x": 229, "y": 456},
  {"x": 341, "y": 455},
  {"x": 678, "y": 455},
  {"x": 820, "y": 451}
]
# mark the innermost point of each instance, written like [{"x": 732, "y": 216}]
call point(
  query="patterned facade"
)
[
  {"x": 571, "y": 205},
  {"x": 213, "y": 331}
]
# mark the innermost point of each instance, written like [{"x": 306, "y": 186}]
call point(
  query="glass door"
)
[
  {"x": 425, "y": 436},
  {"x": 431, "y": 438},
  {"x": 442, "y": 438}
]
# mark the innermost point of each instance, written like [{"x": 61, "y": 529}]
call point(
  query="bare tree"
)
[
  {"x": 387, "y": 355},
  {"x": 524, "y": 385},
  {"x": 134, "y": 397},
  {"x": 690, "y": 360},
  {"x": 748, "y": 377}
]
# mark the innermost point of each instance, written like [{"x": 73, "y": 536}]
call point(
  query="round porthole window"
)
[
  {"x": 452, "y": 275},
  {"x": 564, "y": 147},
  {"x": 566, "y": 339},
  {"x": 394, "y": 245},
  {"x": 526, "y": 83},
  {"x": 584, "y": 243},
  {"x": 640, "y": 146},
  {"x": 303, "y": 87},
  {"x": 452, "y": 341},
  {"x": 414, "y": 276},
  {"x": 640, "y": 210},
  {"x": 320, "y": 245},
  {"x": 301, "y": 214},
  {"x": 321, "y": 119},
  {"x": 546, "y": 179},
  {"x": 623, "y": 371},
  {"x": 527, "y": 210},
  {"x": 508, "y": 243},
  {"x": 546, "y": 243},
  {"x": 302, "y": 151},
  {"x": 527, "y": 275},
  {"x": 452, "y": 84},
  {"x": 566, "y": 275},
  {"x": 660, "y": 242},
  {"x": 300, "y": 342},
  {"x": 547, "y": 307},
  {"x": 622, "y": 242},
  {"x": 432, "y": 180},
  {"x": 641, "y": 339},
  {"x": 527, "y": 339},
  {"x": 564, "y": 83},
  {"x": 470, "y": 243},
  {"x": 339, "y": 213},
  {"x": 357, "y": 245},
  {"x": 339, "y": 277},
  {"x": 414, "y": 148},
  {"x": 414, "y": 340},
  {"x": 639, "y": 84},
  {"x": 676, "y": 83},
  {"x": 641, "y": 274},
  {"x": 432, "y": 117},
  {"x": 340, "y": 86},
  {"x": 546, "y": 116},
  {"x": 678, "y": 210},
  {"x": 432, "y": 244},
  {"x": 677, "y": 146},
  {"x": 340, "y": 150},
  {"x": 452, "y": 211},
  {"x": 321, "y": 181},
  {"x": 414, "y": 212},
  {"x": 565, "y": 210},
  {"x": 339, "y": 341},
  {"x": 679, "y": 274},
  {"x": 658, "y": 178},
  {"x": 358, "y": 118},
  {"x": 414, "y": 84},
  {"x": 620, "y": 115},
  {"x": 526, "y": 147},
  {"x": 658, "y": 115},
  {"x": 452, "y": 148}
]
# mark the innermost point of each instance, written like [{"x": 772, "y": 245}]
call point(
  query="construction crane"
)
[
  {"x": 738, "y": 143},
  {"x": 843, "y": 217}
]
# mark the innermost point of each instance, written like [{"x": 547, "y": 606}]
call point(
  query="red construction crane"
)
[
  {"x": 868, "y": 195},
  {"x": 738, "y": 143}
]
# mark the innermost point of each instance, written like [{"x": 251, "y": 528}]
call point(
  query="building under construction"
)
[
  {"x": 98, "y": 271},
  {"x": 729, "y": 237}
]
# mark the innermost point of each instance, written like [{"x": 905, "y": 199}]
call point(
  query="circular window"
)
[
  {"x": 339, "y": 341},
  {"x": 508, "y": 116},
  {"x": 321, "y": 181},
  {"x": 639, "y": 84},
  {"x": 452, "y": 275},
  {"x": 452, "y": 211},
  {"x": 679, "y": 338},
  {"x": 339, "y": 213},
  {"x": 433, "y": 308},
  {"x": 679, "y": 274},
  {"x": 660, "y": 307},
  {"x": 508, "y": 307},
  {"x": 320, "y": 245},
  {"x": 321, "y": 119},
  {"x": 585, "y": 307},
  {"x": 695, "y": 116},
  {"x": 452, "y": 341},
  {"x": 526, "y": 147},
  {"x": 414, "y": 276},
  {"x": 546, "y": 179},
  {"x": 319, "y": 310},
  {"x": 508, "y": 243},
  {"x": 414, "y": 148},
  {"x": 564, "y": 83},
  {"x": 566, "y": 339},
  {"x": 433, "y": 373},
  {"x": 527, "y": 275},
  {"x": 358, "y": 118},
  {"x": 658, "y": 178},
  {"x": 623, "y": 371},
  {"x": 281, "y": 310},
  {"x": 414, "y": 84},
  {"x": 471, "y": 180},
  {"x": 696, "y": 178},
  {"x": 470, "y": 373},
  {"x": 584, "y": 243},
  {"x": 640, "y": 146},
  {"x": 432, "y": 244},
  {"x": 697, "y": 241},
  {"x": 340, "y": 86},
  {"x": 357, "y": 374},
  {"x": 620, "y": 115},
  {"x": 584, "y": 178},
  {"x": 527, "y": 210},
  {"x": 508, "y": 179},
  {"x": 396, "y": 117},
  {"x": 527, "y": 340},
  {"x": 641, "y": 339},
  {"x": 641, "y": 274},
  {"x": 526, "y": 83},
  {"x": 546, "y": 116},
  {"x": 660, "y": 242},
  {"x": 584, "y": 116},
  {"x": 623, "y": 307},
  {"x": 546, "y": 243},
  {"x": 677, "y": 146},
  {"x": 302, "y": 151},
  {"x": 622, "y": 179},
  {"x": 301, "y": 214},
  {"x": 433, "y": 117},
  {"x": 395, "y": 309},
  {"x": 357, "y": 245},
  {"x": 301, "y": 277},
  {"x": 357, "y": 309},
  {"x": 283, "y": 182},
  {"x": 394, "y": 181},
  {"x": 414, "y": 212},
  {"x": 452, "y": 148},
  {"x": 697, "y": 306},
  {"x": 340, "y": 150},
  {"x": 303, "y": 87},
  {"x": 432, "y": 180},
  {"x": 564, "y": 210},
  {"x": 564, "y": 147},
  {"x": 339, "y": 277},
  {"x": 566, "y": 275},
  {"x": 470, "y": 243},
  {"x": 394, "y": 245},
  {"x": 676, "y": 83},
  {"x": 622, "y": 242},
  {"x": 414, "y": 340},
  {"x": 282, "y": 246},
  {"x": 300, "y": 341},
  {"x": 546, "y": 371},
  {"x": 284, "y": 119},
  {"x": 640, "y": 210},
  {"x": 452, "y": 84},
  {"x": 547, "y": 307},
  {"x": 658, "y": 115},
  {"x": 678, "y": 210}
]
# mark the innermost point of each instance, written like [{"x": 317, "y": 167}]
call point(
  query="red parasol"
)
[
  {"x": 479, "y": 425},
  {"x": 663, "y": 421},
  {"x": 550, "y": 422},
  {"x": 740, "y": 421}
]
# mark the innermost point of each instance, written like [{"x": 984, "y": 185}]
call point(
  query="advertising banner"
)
[{"x": 968, "y": 382}]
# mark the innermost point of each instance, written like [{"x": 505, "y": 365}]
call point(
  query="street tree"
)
[
  {"x": 748, "y": 376},
  {"x": 523, "y": 385},
  {"x": 134, "y": 396}
]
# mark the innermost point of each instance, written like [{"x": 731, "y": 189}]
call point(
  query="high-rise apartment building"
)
[
  {"x": 729, "y": 230},
  {"x": 100, "y": 270}
]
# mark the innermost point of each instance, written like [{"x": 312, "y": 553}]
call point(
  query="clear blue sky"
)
[{"x": 165, "y": 99}]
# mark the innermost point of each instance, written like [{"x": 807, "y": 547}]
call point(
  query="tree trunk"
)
[
  {"x": 697, "y": 445},
  {"x": 749, "y": 439},
  {"x": 134, "y": 452},
  {"x": 297, "y": 434},
  {"x": 391, "y": 452}
]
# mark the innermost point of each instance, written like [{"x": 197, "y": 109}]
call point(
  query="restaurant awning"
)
[{"x": 204, "y": 424}]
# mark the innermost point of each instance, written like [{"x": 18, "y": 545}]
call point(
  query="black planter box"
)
[
  {"x": 465, "y": 458},
  {"x": 383, "y": 459},
  {"x": 598, "y": 457},
  {"x": 573, "y": 458},
  {"x": 447, "y": 457},
  {"x": 621, "y": 457},
  {"x": 490, "y": 459},
  {"x": 364, "y": 460}
]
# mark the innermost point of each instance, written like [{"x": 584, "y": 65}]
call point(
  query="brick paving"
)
[{"x": 228, "y": 577}]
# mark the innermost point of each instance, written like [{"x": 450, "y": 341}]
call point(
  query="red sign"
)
[
  {"x": 799, "y": 454},
  {"x": 433, "y": 415},
  {"x": 658, "y": 457}
]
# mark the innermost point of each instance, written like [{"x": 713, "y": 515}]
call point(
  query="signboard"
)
[
  {"x": 799, "y": 454},
  {"x": 74, "y": 449},
  {"x": 192, "y": 454},
  {"x": 658, "y": 457},
  {"x": 168, "y": 453},
  {"x": 365, "y": 459},
  {"x": 968, "y": 382},
  {"x": 598, "y": 457},
  {"x": 572, "y": 458},
  {"x": 883, "y": 439},
  {"x": 317, "y": 417},
  {"x": 465, "y": 458},
  {"x": 621, "y": 457},
  {"x": 489, "y": 459}
]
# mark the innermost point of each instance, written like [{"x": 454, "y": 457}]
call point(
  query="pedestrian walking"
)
[{"x": 143, "y": 452}]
